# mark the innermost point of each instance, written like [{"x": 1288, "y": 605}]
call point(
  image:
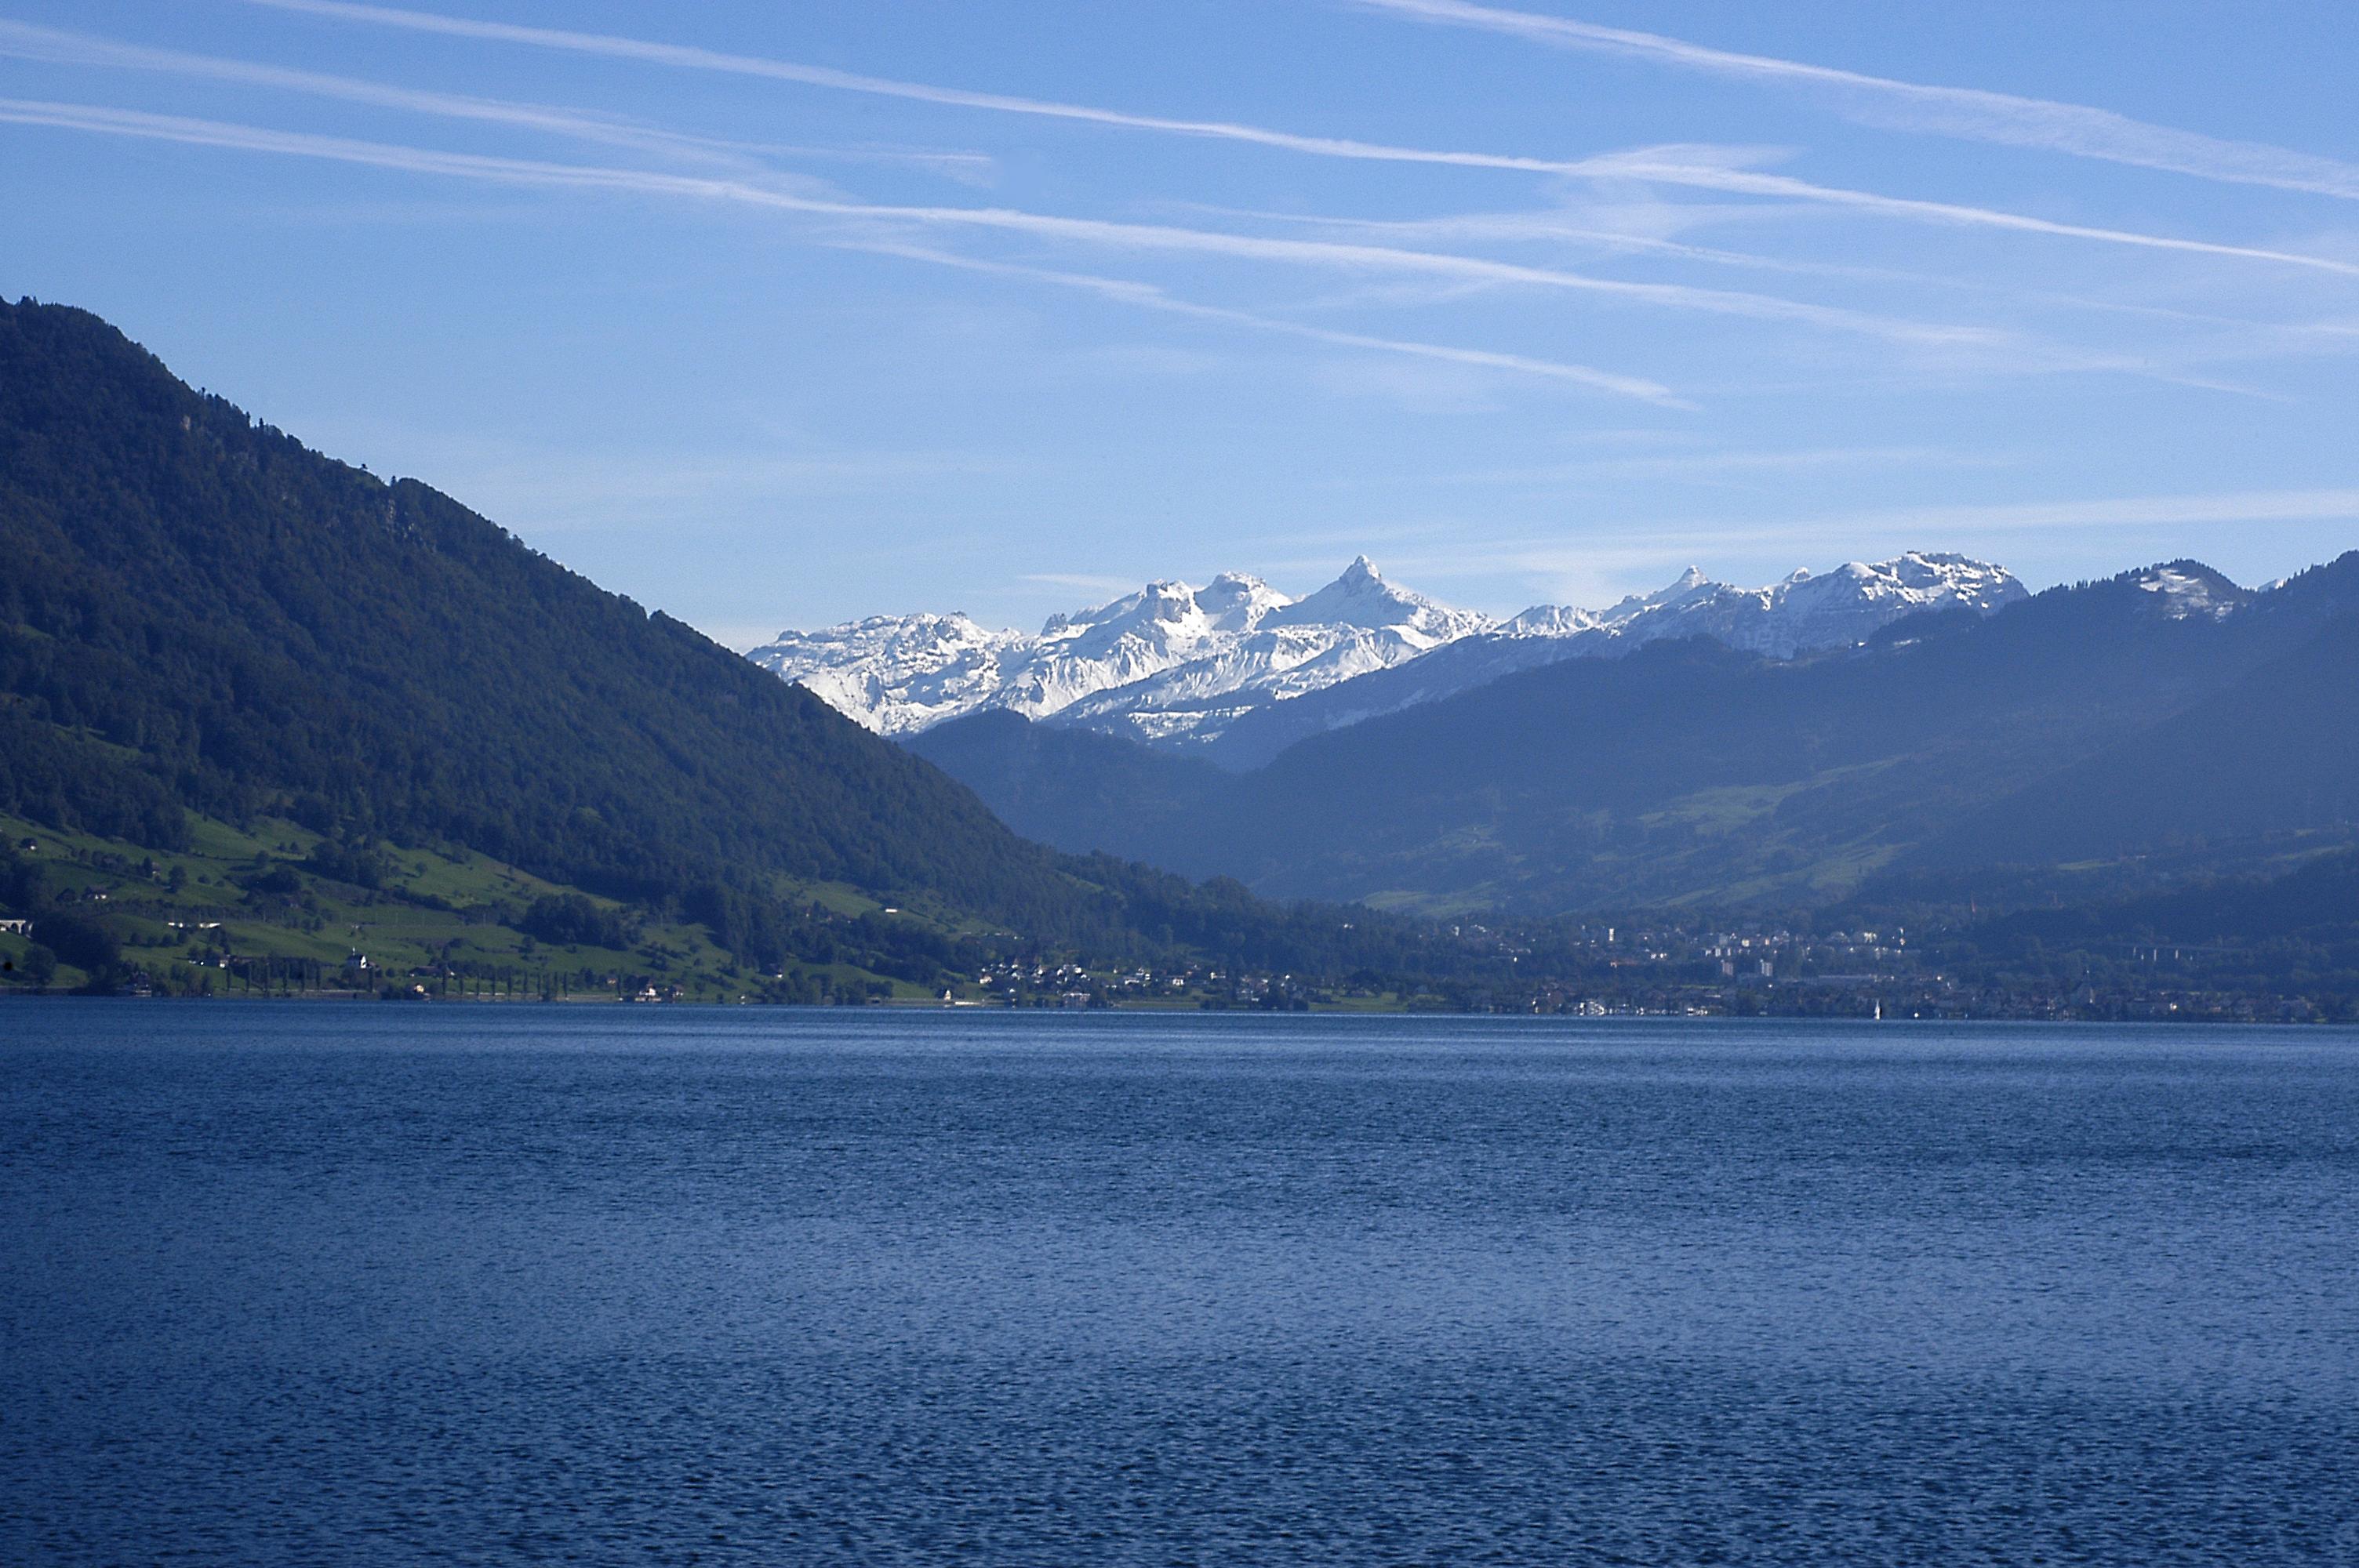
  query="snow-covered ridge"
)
[
  {"x": 1149, "y": 661},
  {"x": 1175, "y": 665},
  {"x": 897, "y": 673},
  {"x": 1803, "y": 612}
]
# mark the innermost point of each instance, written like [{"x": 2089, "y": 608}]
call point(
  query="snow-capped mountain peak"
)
[
  {"x": 1234, "y": 602},
  {"x": 893, "y": 672},
  {"x": 1552, "y": 620},
  {"x": 2190, "y": 588},
  {"x": 1177, "y": 665},
  {"x": 1361, "y": 598},
  {"x": 1797, "y": 614},
  {"x": 1801, "y": 613},
  {"x": 1684, "y": 587},
  {"x": 1162, "y": 662}
]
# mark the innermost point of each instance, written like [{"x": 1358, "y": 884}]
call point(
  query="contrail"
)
[
  {"x": 1146, "y": 296},
  {"x": 24, "y": 40},
  {"x": 1645, "y": 167},
  {"x": 1969, "y": 113},
  {"x": 1101, "y": 232},
  {"x": 1614, "y": 166}
]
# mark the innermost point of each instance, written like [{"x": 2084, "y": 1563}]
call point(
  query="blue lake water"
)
[{"x": 364, "y": 1285}]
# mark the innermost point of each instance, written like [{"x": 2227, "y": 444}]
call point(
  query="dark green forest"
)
[{"x": 199, "y": 615}]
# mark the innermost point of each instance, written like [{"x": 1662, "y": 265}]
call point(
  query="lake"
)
[{"x": 360, "y": 1284}]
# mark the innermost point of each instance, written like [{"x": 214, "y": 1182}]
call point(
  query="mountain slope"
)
[
  {"x": 247, "y": 625},
  {"x": 210, "y": 634},
  {"x": 1677, "y": 773},
  {"x": 1801, "y": 614},
  {"x": 2275, "y": 752},
  {"x": 1687, "y": 771},
  {"x": 1077, "y": 789},
  {"x": 2318, "y": 896}
]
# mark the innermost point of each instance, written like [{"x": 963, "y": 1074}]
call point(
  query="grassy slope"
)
[{"x": 454, "y": 910}]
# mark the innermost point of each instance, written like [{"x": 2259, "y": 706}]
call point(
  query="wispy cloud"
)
[
  {"x": 1148, "y": 296},
  {"x": 1666, "y": 165},
  {"x": 1081, "y": 582},
  {"x": 1960, "y": 112},
  {"x": 1635, "y": 557},
  {"x": 1099, "y": 233},
  {"x": 2232, "y": 507},
  {"x": 1717, "y": 465},
  {"x": 548, "y": 490},
  {"x": 1564, "y": 226},
  {"x": 691, "y": 58},
  {"x": 1663, "y": 165},
  {"x": 1633, "y": 166},
  {"x": 23, "y": 40}
]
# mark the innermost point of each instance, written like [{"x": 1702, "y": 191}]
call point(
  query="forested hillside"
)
[
  {"x": 2275, "y": 751},
  {"x": 201, "y": 612},
  {"x": 200, "y": 620}
]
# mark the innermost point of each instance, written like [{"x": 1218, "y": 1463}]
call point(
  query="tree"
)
[
  {"x": 570, "y": 918},
  {"x": 77, "y": 939}
]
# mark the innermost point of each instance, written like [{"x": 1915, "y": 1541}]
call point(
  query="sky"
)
[{"x": 775, "y": 315}]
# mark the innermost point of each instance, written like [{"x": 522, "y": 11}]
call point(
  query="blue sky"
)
[{"x": 777, "y": 315}]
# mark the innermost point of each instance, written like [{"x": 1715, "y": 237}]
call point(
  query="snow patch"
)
[{"x": 2185, "y": 594}]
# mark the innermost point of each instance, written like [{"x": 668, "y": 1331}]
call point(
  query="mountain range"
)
[
  {"x": 1187, "y": 668},
  {"x": 2090, "y": 736}
]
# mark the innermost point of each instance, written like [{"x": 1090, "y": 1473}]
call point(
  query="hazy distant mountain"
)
[
  {"x": 2163, "y": 709},
  {"x": 2275, "y": 751},
  {"x": 1182, "y": 667}
]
